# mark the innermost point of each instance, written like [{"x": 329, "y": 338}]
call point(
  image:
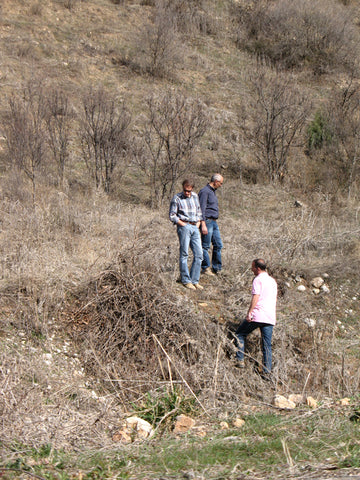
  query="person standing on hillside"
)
[
  {"x": 185, "y": 213},
  {"x": 210, "y": 232},
  {"x": 261, "y": 314}
]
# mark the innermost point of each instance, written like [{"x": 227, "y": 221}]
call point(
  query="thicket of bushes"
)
[{"x": 319, "y": 35}]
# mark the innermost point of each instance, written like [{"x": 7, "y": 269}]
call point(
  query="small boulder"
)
[
  {"x": 282, "y": 402},
  {"x": 310, "y": 322},
  {"x": 134, "y": 428},
  {"x": 224, "y": 425},
  {"x": 238, "y": 422},
  {"x": 345, "y": 402},
  {"x": 317, "y": 282},
  {"x": 311, "y": 402},
  {"x": 301, "y": 288},
  {"x": 183, "y": 424},
  {"x": 297, "y": 398}
]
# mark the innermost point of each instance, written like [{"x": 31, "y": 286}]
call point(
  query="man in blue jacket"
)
[{"x": 210, "y": 233}]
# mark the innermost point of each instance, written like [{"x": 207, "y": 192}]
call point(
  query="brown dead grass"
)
[{"x": 66, "y": 264}]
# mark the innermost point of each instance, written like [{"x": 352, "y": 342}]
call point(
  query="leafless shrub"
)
[
  {"x": 70, "y": 4},
  {"x": 171, "y": 131},
  {"x": 58, "y": 121},
  {"x": 36, "y": 8},
  {"x": 24, "y": 127},
  {"x": 276, "y": 113},
  {"x": 190, "y": 17},
  {"x": 103, "y": 134},
  {"x": 320, "y": 35},
  {"x": 160, "y": 50}
]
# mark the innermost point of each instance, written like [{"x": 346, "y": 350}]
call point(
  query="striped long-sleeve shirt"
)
[{"x": 185, "y": 208}]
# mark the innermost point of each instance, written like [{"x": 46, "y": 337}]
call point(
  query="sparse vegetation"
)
[{"x": 94, "y": 326}]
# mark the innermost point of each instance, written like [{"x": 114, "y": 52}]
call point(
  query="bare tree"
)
[
  {"x": 24, "y": 127},
  {"x": 104, "y": 135},
  {"x": 344, "y": 119},
  {"x": 171, "y": 132},
  {"x": 58, "y": 121},
  {"x": 160, "y": 50},
  {"x": 274, "y": 117}
]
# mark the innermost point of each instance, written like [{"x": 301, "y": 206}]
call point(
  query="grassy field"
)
[{"x": 308, "y": 444}]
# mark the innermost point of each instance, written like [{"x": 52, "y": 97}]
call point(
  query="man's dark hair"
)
[
  {"x": 260, "y": 263},
  {"x": 188, "y": 182}
]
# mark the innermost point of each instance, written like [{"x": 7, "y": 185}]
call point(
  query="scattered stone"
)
[
  {"x": 297, "y": 279},
  {"x": 301, "y": 288},
  {"x": 199, "y": 431},
  {"x": 311, "y": 402},
  {"x": 133, "y": 429},
  {"x": 310, "y": 322},
  {"x": 316, "y": 291},
  {"x": 317, "y": 282},
  {"x": 325, "y": 289},
  {"x": 297, "y": 398},
  {"x": 183, "y": 424},
  {"x": 203, "y": 304},
  {"x": 345, "y": 401},
  {"x": 224, "y": 425},
  {"x": 238, "y": 422},
  {"x": 122, "y": 436},
  {"x": 283, "y": 402}
]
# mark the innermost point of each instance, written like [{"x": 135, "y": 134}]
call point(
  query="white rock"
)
[
  {"x": 297, "y": 398},
  {"x": 283, "y": 402},
  {"x": 310, "y": 322},
  {"x": 317, "y": 282},
  {"x": 301, "y": 288},
  {"x": 325, "y": 289},
  {"x": 316, "y": 291},
  {"x": 142, "y": 427}
]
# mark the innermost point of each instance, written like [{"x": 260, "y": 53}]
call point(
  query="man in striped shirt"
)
[{"x": 185, "y": 213}]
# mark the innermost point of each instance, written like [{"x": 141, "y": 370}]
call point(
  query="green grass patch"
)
[{"x": 266, "y": 445}]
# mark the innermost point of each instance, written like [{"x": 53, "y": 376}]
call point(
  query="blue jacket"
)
[{"x": 208, "y": 202}]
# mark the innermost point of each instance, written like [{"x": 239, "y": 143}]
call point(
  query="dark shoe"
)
[
  {"x": 239, "y": 363},
  {"x": 218, "y": 273}
]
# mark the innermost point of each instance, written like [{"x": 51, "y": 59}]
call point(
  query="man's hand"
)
[
  {"x": 204, "y": 229},
  {"x": 253, "y": 303}
]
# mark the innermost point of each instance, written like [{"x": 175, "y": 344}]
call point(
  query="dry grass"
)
[{"x": 102, "y": 270}]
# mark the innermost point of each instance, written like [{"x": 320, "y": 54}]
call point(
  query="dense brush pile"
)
[{"x": 140, "y": 335}]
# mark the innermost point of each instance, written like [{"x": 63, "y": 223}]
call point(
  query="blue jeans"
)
[
  {"x": 189, "y": 235},
  {"x": 266, "y": 333},
  {"x": 212, "y": 237}
]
